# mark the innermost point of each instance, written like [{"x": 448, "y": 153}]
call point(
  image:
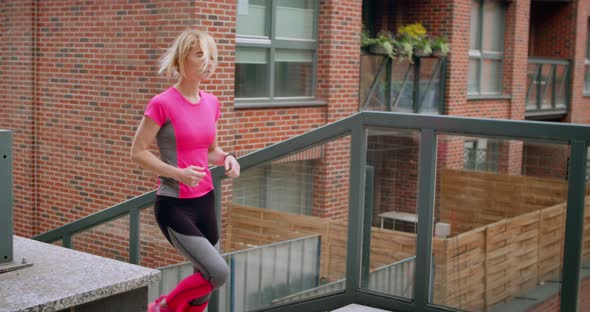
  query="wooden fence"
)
[
  {"x": 507, "y": 236},
  {"x": 473, "y": 270},
  {"x": 469, "y": 199}
]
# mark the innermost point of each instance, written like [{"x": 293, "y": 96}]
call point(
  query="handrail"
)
[{"x": 98, "y": 218}]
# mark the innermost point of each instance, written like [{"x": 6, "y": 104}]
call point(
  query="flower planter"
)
[{"x": 377, "y": 49}]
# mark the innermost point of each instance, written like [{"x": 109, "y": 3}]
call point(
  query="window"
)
[
  {"x": 481, "y": 155},
  {"x": 284, "y": 187},
  {"x": 275, "y": 51},
  {"x": 587, "y": 62},
  {"x": 486, "y": 48}
]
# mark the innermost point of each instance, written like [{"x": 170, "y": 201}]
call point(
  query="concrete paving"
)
[{"x": 358, "y": 308}]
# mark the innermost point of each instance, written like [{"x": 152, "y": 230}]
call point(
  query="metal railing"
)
[
  {"x": 394, "y": 279},
  {"x": 6, "y": 252},
  {"x": 357, "y": 258},
  {"x": 548, "y": 87},
  {"x": 258, "y": 276},
  {"x": 131, "y": 208}
]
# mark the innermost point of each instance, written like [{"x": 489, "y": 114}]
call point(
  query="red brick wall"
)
[
  {"x": 17, "y": 111},
  {"x": 580, "y": 105},
  {"x": 545, "y": 160},
  {"x": 434, "y": 15},
  {"x": 97, "y": 69},
  {"x": 338, "y": 84},
  {"x": 395, "y": 160},
  {"x": 551, "y": 30}
]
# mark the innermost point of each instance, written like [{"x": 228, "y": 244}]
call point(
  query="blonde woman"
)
[{"x": 183, "y": 120}]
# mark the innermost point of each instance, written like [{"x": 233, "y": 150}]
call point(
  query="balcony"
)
[
  {"x": 401, "y": 86},
  {"x": 548, "y": 94}
]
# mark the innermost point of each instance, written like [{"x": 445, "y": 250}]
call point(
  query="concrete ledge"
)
[{"x": 61, "y": 278}]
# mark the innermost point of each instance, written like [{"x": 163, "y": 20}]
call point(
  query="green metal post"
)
[
  {"x": 368, "y": 215},
  {"x": 443, "y": 85},
  {"x": 6, "y": 252},
  {"x": 574, "y": 227},
  {"x": 388, "y": 83},
  {"x": 134, "y": 236},
  {"x": 553, "y": 85},
  {"x": 214, "y": 301},
  {"x": 416, "y": 90},
  {"x": 67, "y": 240},
  {"x": 426, "y": 189},
  {"x": 358, "y": 161},
  {"x": 539, "y": 86}
]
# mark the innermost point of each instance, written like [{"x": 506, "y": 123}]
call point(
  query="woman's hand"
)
[
  {"x": 232, "y": 167},
  {"x": 191, "y": 175}
]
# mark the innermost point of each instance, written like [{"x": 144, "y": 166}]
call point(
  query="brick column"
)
[
  {"x": 17, "y": 112},
  {"x": 338, "y": 83}
]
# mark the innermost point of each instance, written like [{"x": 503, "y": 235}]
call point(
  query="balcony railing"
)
[
  {"x": 400, "y": 86},
  {"x": 547, "y": 88},
  {"x": 432, "y": 138}
]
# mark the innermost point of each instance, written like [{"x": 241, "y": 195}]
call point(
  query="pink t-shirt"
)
[{"x": 186, "y": 132}]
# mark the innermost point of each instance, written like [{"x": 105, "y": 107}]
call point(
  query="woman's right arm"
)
[{"x": 140, "y": 154}]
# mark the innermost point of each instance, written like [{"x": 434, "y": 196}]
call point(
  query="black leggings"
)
[{"x": 190, "y": 225}]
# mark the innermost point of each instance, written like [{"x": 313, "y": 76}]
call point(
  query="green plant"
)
[
  {"x": 423, "y": 46},
  {"x": 440, "y": 46},
  {"x": 410, "y": 40},
  {"x": 366, "y": 39},
  {"x": 404, "y": 48}
]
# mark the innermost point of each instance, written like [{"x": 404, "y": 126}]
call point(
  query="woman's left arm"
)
[{"x": 218, "y": 157}]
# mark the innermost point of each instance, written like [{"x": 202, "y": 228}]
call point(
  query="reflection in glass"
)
[
  {"x": 294, "y": 19},
  {"x": 293, "y": 73},
  {"x": 251, "y": 72},
  {"x": 499, "y": 222},
  {"x": 393, "y": 155},
  {"x": 252, "y": 21},
  {"x": 287, "y": 220}
]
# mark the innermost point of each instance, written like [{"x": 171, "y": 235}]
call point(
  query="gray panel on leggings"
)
[
  {"x": 203, "y": 255},
  {"x": 166, "y": 139}
]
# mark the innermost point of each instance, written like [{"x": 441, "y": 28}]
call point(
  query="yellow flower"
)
[{"x": 413, "y": 30}]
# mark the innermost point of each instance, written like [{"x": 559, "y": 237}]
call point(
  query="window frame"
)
[
  {"x": 490, "y": 147},
  {"x": 482, "y": 55},
  {"x": 272, "y": 43}
]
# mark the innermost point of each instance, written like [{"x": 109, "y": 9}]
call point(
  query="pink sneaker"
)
[{"x": 155, "y": 306}]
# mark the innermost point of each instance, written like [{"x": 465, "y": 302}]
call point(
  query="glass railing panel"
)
[
  {"x": 499, "y": 223},
  {"x": 402, "y": 86},
  {"x": 154, "y": 249},
  {"x": 532, "y": 92},
  {"x": 281, "y": 202},
  {"x": 373, "y": 76},
  {"x": 546, "y": 80},
  {"x": 392, "y": 157},
  {"x": 430, "y": 85},
  {"x": 561, "y": 71},
  {"x": 109, "y": 240}
]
